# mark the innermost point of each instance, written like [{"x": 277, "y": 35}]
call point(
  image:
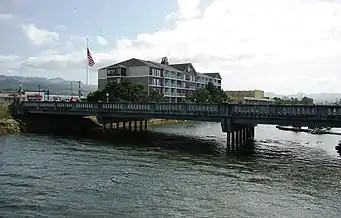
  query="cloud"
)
[
  {"x": 6, "y": 16},
  {"x": 188, "y": 9},
  {"x": 75, "y": 42},
  {"x": 9, "y": 62},
  {"x": 102, "y": 41},
  {"x": 267, "y": 44},
  {"x": 39, "y": 37},
  {"x": 60, "y": 27}
]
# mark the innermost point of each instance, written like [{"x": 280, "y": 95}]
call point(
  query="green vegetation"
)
[
  {"x": 208, "y": 94},
  {"x": 5, "y": 111},
  {"x": 125, "y": 91},
  {"x": 292, "y": 101}
]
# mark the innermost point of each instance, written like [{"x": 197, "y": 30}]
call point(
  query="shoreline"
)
[
  {"x": 11, "y": 125},
  {"x": 88, "y": 125},
  {"x": 8, "y": 125}
]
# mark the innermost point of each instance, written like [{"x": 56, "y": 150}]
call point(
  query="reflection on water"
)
[{"x": 188, "y": 173}]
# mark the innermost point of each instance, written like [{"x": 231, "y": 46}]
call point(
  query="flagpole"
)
[{"x": 87, "y": 61}]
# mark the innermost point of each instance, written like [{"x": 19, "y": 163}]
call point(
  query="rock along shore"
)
[{"x": 7, "y": 123}]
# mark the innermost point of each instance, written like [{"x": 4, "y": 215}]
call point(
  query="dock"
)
[{"x": 293, "y": 129}]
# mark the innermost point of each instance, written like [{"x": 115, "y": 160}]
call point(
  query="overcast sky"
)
[{"x": 282, "y": 46}]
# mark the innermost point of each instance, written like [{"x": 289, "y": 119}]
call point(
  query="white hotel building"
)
[{"x": 173, "y": 80}]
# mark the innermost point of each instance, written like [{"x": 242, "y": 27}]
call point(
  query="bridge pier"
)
[
  {"x": 126, "y": 125},
  {"x": 237, "y": 134},
  {"x": 129, "y": 125}
]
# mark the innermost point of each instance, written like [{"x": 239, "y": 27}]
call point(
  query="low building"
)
[
  {"x": 173, "y": 80},
  {"x": 8, "y": 96},
  {"x": 248, "y": 97}
]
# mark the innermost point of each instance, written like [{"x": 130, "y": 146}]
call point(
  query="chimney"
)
[{"x": 164, "y": 60}]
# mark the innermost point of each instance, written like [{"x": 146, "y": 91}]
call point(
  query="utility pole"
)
[
  {"x": 39, "y": 93},
  {"x": 71, "y": 89},
  {"x": 79, "y": 89}
]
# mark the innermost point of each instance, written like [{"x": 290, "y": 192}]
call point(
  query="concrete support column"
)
[
  {"x": 118, "y": 125},
  {"x": 111, "y": 124},
  {"x": 248, "y": 137},
  {"x": 241, "y": 136},
  {"x": 252, "y": 133},
  {"x": 237, "y": 138},
  {"x": 245, "y": 134},
  {"x": 135, "y": 126},
  {"x": 129, "y": 125},
  {"x": 146, "y": 125},
  {"x": 228, "y": 140},
  {"x": 233, "y": 141},
  {"x": 124, "y": 125},
  {"x": 141, "y": 124}
]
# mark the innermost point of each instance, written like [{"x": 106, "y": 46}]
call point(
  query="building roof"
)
[
  {"x": 181, "y": 67},
  {"x": 164, "y": 66},
  {"x": 213, "y": 75},
  {"x": 134, "y": 62}
]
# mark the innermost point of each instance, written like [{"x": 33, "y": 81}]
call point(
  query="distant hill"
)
[
  {"x": 56, "y": 85},
  {"x": 318, "y": 97}
]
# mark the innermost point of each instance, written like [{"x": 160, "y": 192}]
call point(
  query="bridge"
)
[{"x": 237, "y": 120}]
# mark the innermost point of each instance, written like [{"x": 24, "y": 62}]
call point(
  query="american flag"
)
[{"x": 91, "y": 61}]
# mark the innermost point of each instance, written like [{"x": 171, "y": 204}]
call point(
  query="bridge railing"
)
[
  {"x": 321, "y": 111},
  {"x": 234, "y": 110}
]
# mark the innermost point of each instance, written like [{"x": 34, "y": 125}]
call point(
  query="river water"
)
[{"x": 286, "y": 174}]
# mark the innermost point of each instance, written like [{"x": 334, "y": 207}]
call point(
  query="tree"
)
[
  {"x": 307, "y": 101},
  {"x": 293, "y": 101},
  {"x": 155, "y": 96},
  {"x": 208, "y": 94},
  {"x": 125, "y": 91},
  {"x": 96, "y": 96},
  {"x": 200, "y": 95}
]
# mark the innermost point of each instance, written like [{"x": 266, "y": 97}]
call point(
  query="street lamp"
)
[
  {"x": 107, "y": 94},
  {"x": 20, "y": 91}
]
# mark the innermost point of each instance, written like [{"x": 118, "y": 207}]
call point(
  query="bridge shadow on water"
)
[{"x": 165, "y": 141}]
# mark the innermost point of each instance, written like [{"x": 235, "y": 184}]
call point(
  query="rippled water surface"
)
[{"x": 285, "y": 175}]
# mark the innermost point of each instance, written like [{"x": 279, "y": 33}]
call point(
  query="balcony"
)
[{"x": 174, "y": 94}]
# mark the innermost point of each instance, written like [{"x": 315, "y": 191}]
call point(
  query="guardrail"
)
[{"x": 223, "y": 110}]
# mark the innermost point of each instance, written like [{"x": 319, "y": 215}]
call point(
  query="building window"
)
[
  {"x": 114, "y": 80},
  {"x": 114, "y": 72},
  {"x": 123, "y": 72},
  {"x": 155, "y": 82},
  {"x": 155, "y": 72}
]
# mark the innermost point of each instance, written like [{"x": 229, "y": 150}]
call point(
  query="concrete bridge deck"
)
[{"x": 233, "y": 117}]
